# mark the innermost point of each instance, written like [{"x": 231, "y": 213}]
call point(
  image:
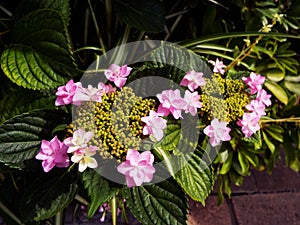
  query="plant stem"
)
[
  {"x": 97, "y": 27},
  {"x": 283, "y": 120},
  {"x": 114, "y": 209}
]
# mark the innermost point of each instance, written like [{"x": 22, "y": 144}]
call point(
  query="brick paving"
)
[{"x": 263, "y": 199}]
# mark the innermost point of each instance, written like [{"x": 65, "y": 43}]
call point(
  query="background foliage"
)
[{"x": 45, "y": 43}]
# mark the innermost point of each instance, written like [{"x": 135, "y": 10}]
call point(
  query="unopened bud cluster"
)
[
  {"x": 116, "y": 122},
  {"x": 224, "y": 99}
]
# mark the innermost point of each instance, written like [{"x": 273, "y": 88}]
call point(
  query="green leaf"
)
[
  {"x": 163, "y": 203},
  {"x": 277, "y": 91},
  {"x": 40, "y": 57},
  {"x": 250, "y": 156},
  {"x": 20, "y": 137},
  {"x": 98, "y": 190},
  {"x": 269, "y": 143},
  {"x": 243, "y": 162},
  {"x": 274, "y": 134},
  {"x": 275, "y": 74},
  {"x": 293, "y": 87},
  {"x": 178, "y": 57},
  {"x": 145, "y": 15},
  {"x": 171, "y": 137},
  {"x": 227, "y": 164},
  {"x": 50, "y": 194},
  {"x": 194, "y": 176},
  {"x": 21, "y": 101},
  {"x": 27, "y": 6}
]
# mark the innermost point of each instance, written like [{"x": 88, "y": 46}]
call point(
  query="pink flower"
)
[
  {"x": 154, "y": 125},
  {"x": 105, "y": 89},
  {"x": 218, "y": 66},
  {"x": 257, "y": 107},
  {"x": 171, "y": 102},
  {"x": 83, "y": 157},
  {"x": 79, "y": 140},
  {"x": 249, "y": 124},
  {"x": 193, "y": 102},
  {"x": 66, "y": 93},
  {"x": 87, "y": 94},
  {"x": 53, "y": 153},
  {"x": 254, "y": 81},
  {"x": 193, "y": 80},
  {"x": 117, "y": 74},
  {"x": 137, "y": 168},
  {"x": 217, "y": 131},
  {"x": 263, "y": 97}
]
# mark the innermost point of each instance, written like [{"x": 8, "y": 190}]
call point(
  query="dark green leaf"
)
[
  {"x": 20, "y": 137},
  {"x": 21, "y": 101},
  {"x": 50, "y": 194},
  {"x": 98, "y": 189},
  {"x": 171, "y": 137},
  {"x": 195, "y": 177},
  {"x": 269, "y": 143},
  {"x": 243, "y": 162},
  {"x": 40, "y": 57},
  {"x": 163, "y": 203},
  {"x": 27, "y": 6},
  {"x": 145, "y": 15}
]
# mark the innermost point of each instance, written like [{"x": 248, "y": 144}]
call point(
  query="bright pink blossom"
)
[
  {"x": 217, "y": 131},
  {"x": 256, "y": 107},
  {"x": 66, "y": 93},
  {"x": 137, "y": 168},
  {"x": 154, "y": 125},
  {"x": 84, "y": 158},
  {"x": 193, "y": 102},
  {"x": 117, "y": 74},
  {"x": 249, "y": 124},
  {"x": 263, "y": 97},
  {"x": 254, "y": 81},
  {"x": 193, "y": 80},
  {"x": 218, "y": 66},
  {"x": 53, "y": 153},
  {"x": 79, "y": 140},
  {"x": 171, "y": 102}
]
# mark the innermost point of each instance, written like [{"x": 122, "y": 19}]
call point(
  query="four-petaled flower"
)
[
  {"x": 171, "y": 102},
  {"x": 263, "y": 97},
  {"x": 249, "y": 123},
  {"x": 53, "y": 153},
  {"x": 79, "y": 140},
  {"x": 138, "y": 168},
  {"x": 193, "y": 80},
  {"x": 65, "y": 94},
  {"x": 154, "y": 125},
  {"x": 88, "y": 94},
  {"x": 217, "y": 131},
  {"x": 83, "y": 157},
  {"x": 117, "y": 74},
  {"x": 254, "y": 81},
  {"x": 218, "y": 66},
  {"x": 257, "y": 107},
  {"x": 192, "y": 102}
]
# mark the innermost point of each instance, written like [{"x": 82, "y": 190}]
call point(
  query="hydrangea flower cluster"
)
[
  {"x": 137, "y": 167},
  {"x": 256, "y": 107}
]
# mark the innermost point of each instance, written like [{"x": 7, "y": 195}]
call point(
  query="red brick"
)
[
  {"x": 281, "y": 179},
  {"x": 211, "y": 214},
  {"x": 267, "y": 209}
]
